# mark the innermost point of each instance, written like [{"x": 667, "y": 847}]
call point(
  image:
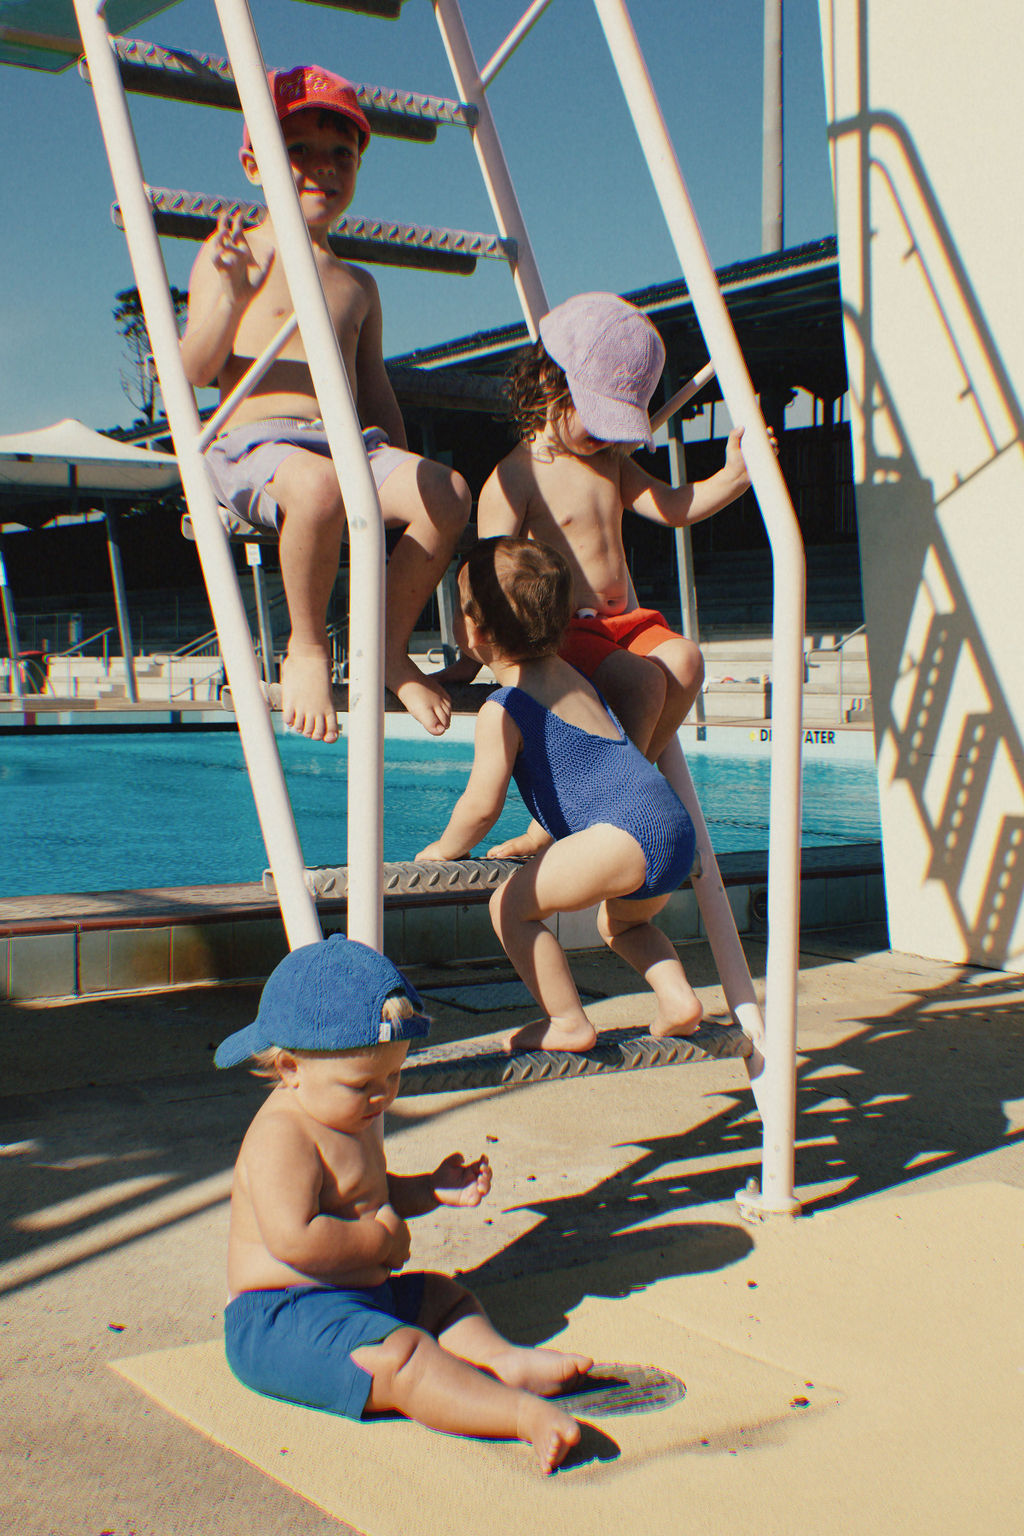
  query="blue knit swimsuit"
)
[{"x": 571, "y": 780}]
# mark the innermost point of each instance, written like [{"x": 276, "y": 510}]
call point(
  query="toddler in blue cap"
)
[{"x": 319, "y": 1313}]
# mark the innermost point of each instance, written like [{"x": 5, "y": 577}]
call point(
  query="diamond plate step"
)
[
  {"x": 206, "y": 80},
  {"x": 463, "y": 1064},
  {"x": 390, "y": 10},
  {"x": 433, "y": 878},
  {"x": 192, "y": 216}
]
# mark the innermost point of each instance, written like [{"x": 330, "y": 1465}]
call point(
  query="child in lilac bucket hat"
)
[
  {"x": 580, "y": 399},
  {"x": 321, "y": 1309}
]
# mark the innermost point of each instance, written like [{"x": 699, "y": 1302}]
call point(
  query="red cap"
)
[{"x": 307, "y": 85}]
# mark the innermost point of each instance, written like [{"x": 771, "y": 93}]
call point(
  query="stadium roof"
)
[{"x": 785, "y": 308}]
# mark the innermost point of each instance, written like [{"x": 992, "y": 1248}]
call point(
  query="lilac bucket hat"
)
[{"x": 612, "y": 358}]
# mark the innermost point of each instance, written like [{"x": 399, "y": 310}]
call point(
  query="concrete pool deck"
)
[{"x": 855, "y": 1371}]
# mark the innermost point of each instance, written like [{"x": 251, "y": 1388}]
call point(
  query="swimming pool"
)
[{"x": 118, "y": 811}]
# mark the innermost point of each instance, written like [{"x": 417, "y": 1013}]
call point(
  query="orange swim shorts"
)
[{"x": 589, "y": 640}]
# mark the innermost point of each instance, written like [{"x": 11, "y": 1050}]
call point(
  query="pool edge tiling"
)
[{"x": 94, "y": 944}]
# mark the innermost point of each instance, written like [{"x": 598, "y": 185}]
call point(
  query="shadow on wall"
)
[{"x": 925, "y": 369}]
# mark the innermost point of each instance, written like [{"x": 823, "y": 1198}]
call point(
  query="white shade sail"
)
[{"x": 70, "y": 455}]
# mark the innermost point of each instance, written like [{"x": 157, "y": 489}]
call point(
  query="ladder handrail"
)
[
  {"x": 277, "y": 821},
  {"x": 690, "y": 388},
  {"x": 491, "y": 158},
  {"x": 250, "y": 378},
  {"x": 777, "y": 1091},
  {"x": 505, "y": 50},
  {"x": 831, "y": 650},
  {"x": 345, "y": 440},
  {"x": 73, "y": 650}
]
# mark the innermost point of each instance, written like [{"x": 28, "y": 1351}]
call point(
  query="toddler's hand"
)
[
  {"x": 456, "y": 1182},
  {"x": 398, "y": 1231},
  {"x": 431, "y": 851}
]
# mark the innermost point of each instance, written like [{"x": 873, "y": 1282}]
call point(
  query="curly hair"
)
[
  {"x": 534, "y": 384},
  {"x": 520, "y": 592}
]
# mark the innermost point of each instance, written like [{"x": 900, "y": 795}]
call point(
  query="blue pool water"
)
[{"x": 116, "y": 812}]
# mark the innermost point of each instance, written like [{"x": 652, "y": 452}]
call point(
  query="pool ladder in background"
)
[{"x": 143, "y": 212}]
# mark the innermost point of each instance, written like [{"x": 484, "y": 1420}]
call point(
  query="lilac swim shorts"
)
[{"x": 242, "y": 462}]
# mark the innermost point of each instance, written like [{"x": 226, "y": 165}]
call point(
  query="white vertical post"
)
[
  {"x": 124, "y": 623},
  {"x": 362, "y": 508},
  {"x": 11, "y": 628},
  {"x": 777, "y": 1100},
  {"x": 772, "y": 160},
  {"x": 264, "y": 764},
  {"x": 494, "y": 169},
  {"x": 255, "y": 562}
]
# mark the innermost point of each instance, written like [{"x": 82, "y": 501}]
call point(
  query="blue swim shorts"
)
[
  {"x": 242, "y": 462},
  {"x": 297, "y": 1343}
]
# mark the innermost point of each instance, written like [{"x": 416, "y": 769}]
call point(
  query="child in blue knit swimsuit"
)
[{"x": 622, "y": 836}]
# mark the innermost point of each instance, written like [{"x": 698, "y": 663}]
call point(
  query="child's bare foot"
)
[
  {"x": 547, "y": 1035},
  {"x": 307, "y": 701},
  {"x": 425, "y": 699},
  {"x": 551, "y": 1432},
  {"x": 684, "y": 1019},
  {"x": 545, "y": 1372},
  {"x": 524, "y": 846}
]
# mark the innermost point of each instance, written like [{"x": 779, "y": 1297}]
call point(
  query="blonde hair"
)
[{"x": 267, "y": 1063}]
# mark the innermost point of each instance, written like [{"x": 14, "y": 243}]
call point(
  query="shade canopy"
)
[
  {"x": 43, "y": 34},
  {"x": 70, "y": 455}
]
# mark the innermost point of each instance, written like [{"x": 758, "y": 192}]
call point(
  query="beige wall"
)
[{"x": 926, "y": 124}]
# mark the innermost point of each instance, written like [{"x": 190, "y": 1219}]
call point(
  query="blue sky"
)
[{"x": 581, "y": 179}]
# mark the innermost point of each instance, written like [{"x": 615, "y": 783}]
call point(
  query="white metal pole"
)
[
  {"x": 718, "y": 919},
  {"x": 273, "y": 807},
  {"x": 11, "y": 628},
  {"x": 362, "y": 508},
  {"x": 501, "y": 55},
  {"x": 772, "y": 184},
  {"x": 489, "y": 153},
  {"x": 247, "y": 383},
  {"x": 679, "y": 399},
  {"x": 684, "y": 552},
  {"x": 778, "y": 1094}
]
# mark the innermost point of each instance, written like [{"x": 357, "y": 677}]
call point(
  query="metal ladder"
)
[{"x": 114, "y": 65}]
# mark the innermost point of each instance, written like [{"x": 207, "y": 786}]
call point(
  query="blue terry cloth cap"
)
[
  {"x": 612, "y": 358},
  {"x": 327, "y": 996}
]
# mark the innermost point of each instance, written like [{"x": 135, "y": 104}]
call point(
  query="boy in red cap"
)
[
  {"x": 579, "y": 397},
  {"x": 271, "y": 465}
]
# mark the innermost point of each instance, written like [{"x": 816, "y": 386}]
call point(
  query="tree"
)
[{"x": 140, "y": 383}]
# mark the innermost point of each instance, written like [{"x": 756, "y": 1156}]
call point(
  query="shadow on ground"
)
[{"x": 151, "y": 1129}]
